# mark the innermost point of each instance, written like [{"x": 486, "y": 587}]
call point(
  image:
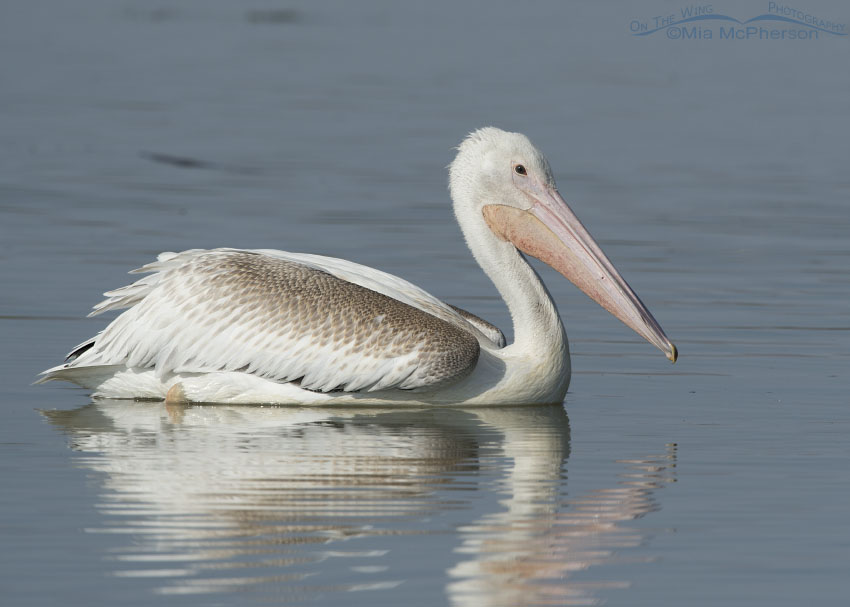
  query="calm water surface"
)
[{"x": 714, "y": 175}]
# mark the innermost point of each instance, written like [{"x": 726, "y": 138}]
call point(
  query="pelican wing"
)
[
  {"x": 283, "y": 317},
  {"x": 398, "y": 289},
  {"x": 490, "y": 331}
]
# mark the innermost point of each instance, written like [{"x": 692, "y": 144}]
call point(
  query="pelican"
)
[{"x": 266, "y": 326}]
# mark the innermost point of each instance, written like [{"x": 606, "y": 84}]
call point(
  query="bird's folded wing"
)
[
  {"x": 232, "y": 310},
  {"x": 489, "y": 330},
  {"x": 396, "y": 288}
]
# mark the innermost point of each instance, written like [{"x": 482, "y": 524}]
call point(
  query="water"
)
[{"x": 713, "y": 173}]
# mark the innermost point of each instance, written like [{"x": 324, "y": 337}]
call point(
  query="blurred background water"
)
[{"x": 713, "y": 172}]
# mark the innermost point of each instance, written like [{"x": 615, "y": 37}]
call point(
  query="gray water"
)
[{"x": 713, "y": 172}]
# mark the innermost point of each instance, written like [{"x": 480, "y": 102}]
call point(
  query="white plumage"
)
[{"x": 239, "y": 326}]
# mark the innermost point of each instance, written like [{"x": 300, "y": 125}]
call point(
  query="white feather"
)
[{"x": 174, "y": 329}]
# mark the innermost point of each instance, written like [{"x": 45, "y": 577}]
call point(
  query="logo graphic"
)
[{"x": 702, "y": 22}]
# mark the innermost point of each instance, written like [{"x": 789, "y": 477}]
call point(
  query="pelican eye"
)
[{"x": 520, "y": 170}]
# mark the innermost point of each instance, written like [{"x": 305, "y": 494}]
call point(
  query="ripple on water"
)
[{"x": 326, "y": 501}]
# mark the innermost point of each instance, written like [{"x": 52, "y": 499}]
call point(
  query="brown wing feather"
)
[
  {"x": 239, "y": 310},
  {"x": 491, "y": 331}
]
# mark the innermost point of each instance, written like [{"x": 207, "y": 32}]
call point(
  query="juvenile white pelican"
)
[{"x": 265, "y": 326}]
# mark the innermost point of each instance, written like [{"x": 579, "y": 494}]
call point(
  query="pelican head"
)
[{"x": 504, "y": 191}]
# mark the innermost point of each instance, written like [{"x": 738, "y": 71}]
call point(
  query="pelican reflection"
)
[{"x": 295, "y": 503}]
